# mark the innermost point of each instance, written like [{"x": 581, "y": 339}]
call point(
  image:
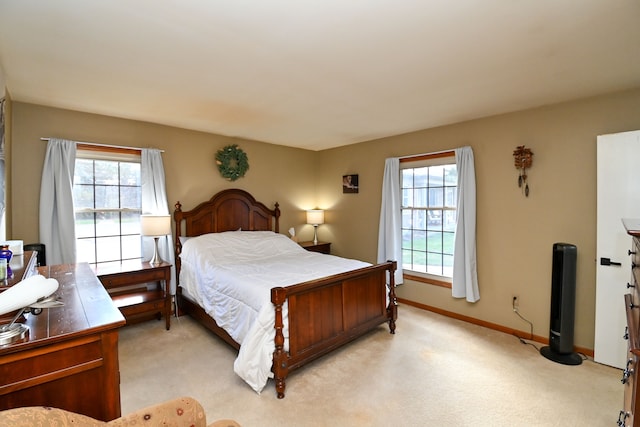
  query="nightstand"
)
[
  {"x": 322, "y": 247},
  {"x": 128, "y": 284}
]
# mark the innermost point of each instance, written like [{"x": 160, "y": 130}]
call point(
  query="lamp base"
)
[
  {"x": 155, "y": 260},
  {"x": 315, "y": 234}
]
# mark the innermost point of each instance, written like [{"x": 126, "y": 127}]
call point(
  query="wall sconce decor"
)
[
  {"x": 315, "y": 217},
  {"x": 523, "y": 158},
  {"x": 155, "y": 226}
]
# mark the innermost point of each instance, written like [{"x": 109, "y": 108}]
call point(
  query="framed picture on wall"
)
[{"x": 350, "y": 184}]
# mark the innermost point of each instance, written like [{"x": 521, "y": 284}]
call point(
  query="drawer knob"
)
[
  {"x": 622, "y": 417},
  {"x": 627, "y": 372},
  {"x": 630, "y": 252},
  {"x": 629, "y": 285},
  {"x": 626, "y": 333}
]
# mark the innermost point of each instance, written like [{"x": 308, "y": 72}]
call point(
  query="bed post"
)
[
  {"x": 392, "y": 309},
  {"x": 276, "y": 214},
  {"x": 178, "y": 244},
  {"x": 280, "y": 366}
]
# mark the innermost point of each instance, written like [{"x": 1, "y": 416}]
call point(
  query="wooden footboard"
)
[{"x": 325, "y": 314}]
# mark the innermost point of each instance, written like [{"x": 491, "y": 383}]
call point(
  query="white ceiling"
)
[{"x": 315, "y": 74}]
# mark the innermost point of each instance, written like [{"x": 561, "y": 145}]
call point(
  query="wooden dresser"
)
[
  {"x": 70, "y": 358},
  {"x": 628, "y": 415}
]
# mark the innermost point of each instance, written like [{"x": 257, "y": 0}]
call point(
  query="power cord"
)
[{"x": 522, "y": 340}]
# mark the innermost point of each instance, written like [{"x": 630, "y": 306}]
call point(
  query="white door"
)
[{"x": 618, "y": 197}]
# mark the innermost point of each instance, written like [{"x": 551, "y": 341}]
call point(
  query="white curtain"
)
[
  {"x": 57, "y": 218},
  {"x": 465, "y": 277},
  {"x": 154, "y": 201},
  {"x": 390, "y": 230}
]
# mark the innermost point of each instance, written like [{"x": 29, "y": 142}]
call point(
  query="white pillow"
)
[{"x": 240, "y": 246}]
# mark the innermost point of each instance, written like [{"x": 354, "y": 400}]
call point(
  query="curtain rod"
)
[
  {"x": 434, "y": 154},
  {"x": 95, "y": 144}
]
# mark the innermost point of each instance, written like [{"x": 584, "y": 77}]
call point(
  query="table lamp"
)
[
  {"x": 315, "y": 217},
  {"x": 155, "y": 226}
]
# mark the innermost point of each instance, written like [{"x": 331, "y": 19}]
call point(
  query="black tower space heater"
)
[{"x": 563, "y": 303}]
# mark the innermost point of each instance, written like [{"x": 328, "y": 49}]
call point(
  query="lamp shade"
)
[
  {"x": 155, "y": 225},
  {"x": 315, "y": 216}
]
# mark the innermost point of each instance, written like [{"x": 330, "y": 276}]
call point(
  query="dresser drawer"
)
[
  {"x": 634, "y": 289},
  {"x": 629, "y": 380},
  {"x": 630, "y": 372},
  {"x": 633, "y": 321},
  {"x": 134, "y": 277},
  {"x": 47, "y": 364}
]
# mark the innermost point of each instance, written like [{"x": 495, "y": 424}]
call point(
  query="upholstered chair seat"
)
[{"x": 181, "y": 412}]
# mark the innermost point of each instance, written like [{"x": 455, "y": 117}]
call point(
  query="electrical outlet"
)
[{"x": 515, "y": 303}]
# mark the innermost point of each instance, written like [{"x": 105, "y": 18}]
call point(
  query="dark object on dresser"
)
[{"x": 40, "y": 248}]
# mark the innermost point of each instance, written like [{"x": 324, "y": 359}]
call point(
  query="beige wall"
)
[
  {"x": 2, "y": 82},
  {"x": 276, "y": 173},
  {"x": 515, "y": 233}
]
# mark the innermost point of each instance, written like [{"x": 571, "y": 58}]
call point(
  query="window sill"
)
[{"x": 428, "y": 280}]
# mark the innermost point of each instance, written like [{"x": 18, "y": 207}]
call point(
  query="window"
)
[
  {"x": 429, "y": 198},
  {"x": 108, "y": 204}
]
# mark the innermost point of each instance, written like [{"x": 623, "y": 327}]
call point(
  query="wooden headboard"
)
[{"x": 228, "y": 210}]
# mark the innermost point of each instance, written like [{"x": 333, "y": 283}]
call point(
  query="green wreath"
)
[{"x": 232, "y": 162}]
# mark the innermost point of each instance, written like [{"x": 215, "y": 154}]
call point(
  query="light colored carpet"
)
[{"x": 434, "y": 371}]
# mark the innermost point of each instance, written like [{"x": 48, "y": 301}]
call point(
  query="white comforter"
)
[{"x": 231, "y": 275}]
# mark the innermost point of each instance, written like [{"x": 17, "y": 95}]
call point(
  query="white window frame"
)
[
  {"x": 116, "y": 155},
  {"x": 427, "y": 160}
]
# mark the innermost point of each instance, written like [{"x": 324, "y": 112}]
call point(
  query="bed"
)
[{"x": 300, "y": 321}]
